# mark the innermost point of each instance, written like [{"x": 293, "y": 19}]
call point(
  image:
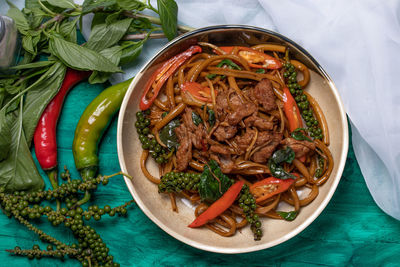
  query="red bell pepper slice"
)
[
  {"x": 253, "y": 56},
  {"x": 198, "y": 91},
  {"x": 161, "y": 75},
  {"x": 292, "y": 111},
  {"x": 219, "y": 206},
  {"x": 269, "y": 187}
]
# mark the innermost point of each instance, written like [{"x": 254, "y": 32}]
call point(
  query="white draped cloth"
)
[{"x": 357, "y": 42}]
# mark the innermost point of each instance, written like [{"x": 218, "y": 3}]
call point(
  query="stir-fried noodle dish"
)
[{"x": 234, "y": 130}]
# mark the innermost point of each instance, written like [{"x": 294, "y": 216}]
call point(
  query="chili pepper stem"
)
[
  {"x": 86, "y": 173},
  {"x": 53, "y": 174}
]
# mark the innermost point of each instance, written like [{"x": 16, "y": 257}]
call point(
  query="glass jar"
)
[{"x": 9, "y": 46}]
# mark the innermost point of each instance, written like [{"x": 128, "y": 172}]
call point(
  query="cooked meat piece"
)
[
  {"x": 184, "y": 152},
  {"x": 260, "y": 123},
  {"x": 222, "y": 107},
  {"x": 188, "y": 121},
  {"x": 300, "y": 148},
  {"x": 224, "y": 161},
  {"x": 221, "y": 149},
  {"x": 271, "y": 140},
  {"x": 197, "y": 133},
  {"x": 240, "y": 112},
  {"x": 244, "y": 141},
  {"x": 264, "y": 94},
  {"x": 223, "y": 133}
]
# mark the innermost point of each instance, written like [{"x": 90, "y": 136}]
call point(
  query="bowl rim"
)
[{"x": 303, "y": 225}]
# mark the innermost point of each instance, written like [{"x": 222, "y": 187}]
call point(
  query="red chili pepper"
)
[
  {"x": 219, "y": 206},
  {"x": 269, "y": 187},
  {"x": 161, "y": 75},
  {"x": 253, "y": 56},
  {"x": 292, "y": 111},
  {"x": 198, "y": 91},
  {"x": 45, "y": 133}
]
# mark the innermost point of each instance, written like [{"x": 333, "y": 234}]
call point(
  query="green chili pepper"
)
[{"x": 90, "y": 128}]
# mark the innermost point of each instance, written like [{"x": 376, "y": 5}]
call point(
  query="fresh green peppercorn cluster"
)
[
  {"x": 179, "y": 181},
  {"x": 302, "y": 102},
  {"x": 90, "y": 249},
  {"x": 318, "y": 171},
  {"x": 148, "y": 141},
  {"x": 248, "y": 204}
]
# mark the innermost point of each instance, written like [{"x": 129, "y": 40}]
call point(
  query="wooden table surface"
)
[{"x": 351, "y": 231}]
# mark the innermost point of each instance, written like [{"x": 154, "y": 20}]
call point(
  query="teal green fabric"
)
[{"x": 351, "y": 231}]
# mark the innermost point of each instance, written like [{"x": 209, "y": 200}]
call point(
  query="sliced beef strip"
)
[
  {"x": 223, "y": 133},
  {"x": 184, "y": 152},
  {"x": 260, "y": 123},
  {"x": 264, "y": 94},
  {"x": 244, "y": 141},
  {"x": 242, "y": 111},
  {"x": 221, "y": 149},
  {"x": 300, "y": 148},
  {"x": 272, "y": 140},
  {"x": 197, "y": 133},
  {"x": 222, "y": 107}
]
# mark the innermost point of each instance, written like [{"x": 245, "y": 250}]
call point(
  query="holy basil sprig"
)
[
  {"x": 288, "y": 215},
  {"x": 280, "y": 156}
]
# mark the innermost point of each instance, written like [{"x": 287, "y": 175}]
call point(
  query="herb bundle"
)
[{"x": 48, "y": 30}]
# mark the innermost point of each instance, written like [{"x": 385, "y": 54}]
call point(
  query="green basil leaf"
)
[
  {"x": 211, "y": 117},
  {"x": 18, "y": 171},
  {"x": 114, "y": 17},
  {"x": 89, "y": 5},
  {"x": 37, "y": 64},
  {"x": 131, "y": 51},
  {"x": 196, "y": 118},
  {"x": 32, "y": 4},
  {"x": 34, "y": 16},
  {"x": 104, "y": 36},
  {"x": 278, "y": 172},
  {"x": 113, "y": 54},
  {"x": 81, "y": 58},
  {"x": 168, "y": 11},
  {"x": 68, "y": 30},
  {"x": 260, "y": 71},
  {"x": 288, "y": 216},
  {"x": 39, "y": 95},
  {"x": 98, "y": 18},
  {"x": 210, "y": 189},
  {"x": 283, "y": 155},
  {"x": 5, "y": 136},
  {"x": 211, "y": 76},
  {"x": 19, "y": 18},
  {"x": 27, "y": 44},
  {"x": 228, "y": 63},
  {"x": 131, "y": 5},
  {"x": 62, "y": 3},
  {"x": 168, "y": 136},
  {"x": 138, "y": 24},
  {"x": 298, "y": 135}
]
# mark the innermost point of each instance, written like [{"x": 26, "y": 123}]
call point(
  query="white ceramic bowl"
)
[{"x": 157, "y": 206}]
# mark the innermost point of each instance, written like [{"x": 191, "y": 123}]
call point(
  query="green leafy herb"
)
[
  {"x": 39, "y": 95},
  {"x": 168, "y": 11},
  {"x": 131, "y": 4},
  {"x": 104, "y": 36},
  {"x": 18, "y": 171},
  {"x": 288, "y": 216},
  {"x": 211, "y": 76},
  {"x": 5, "y": 136},
  {"x": 62, "y": 3},
  {"x": 37, "y": 64},
  {"x": 229, "y": 63},
  {"x": 168, "y": 136},
  {"x": 18, "y": 17},
  {"x": 262, "y": 71},
  {"x": 280, "y": 156},
  {"x": 298, "y": 135},
  {"x": 213, "y": 183},
  {"x": 131, "y": 50},
  {"x": 68, "y": 30},
  {"x": 211, "y": 117},
  {"x": 113, "y": 54},
  {"x": 90, "y": 5},
  {"x": 81, "y": 58},
  {"x": 196, "y": 118}
]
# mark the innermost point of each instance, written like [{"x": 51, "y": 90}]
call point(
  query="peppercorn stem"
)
[
  {"x": 53, "y": 174},
  {"x": 86, "y": 173}
]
